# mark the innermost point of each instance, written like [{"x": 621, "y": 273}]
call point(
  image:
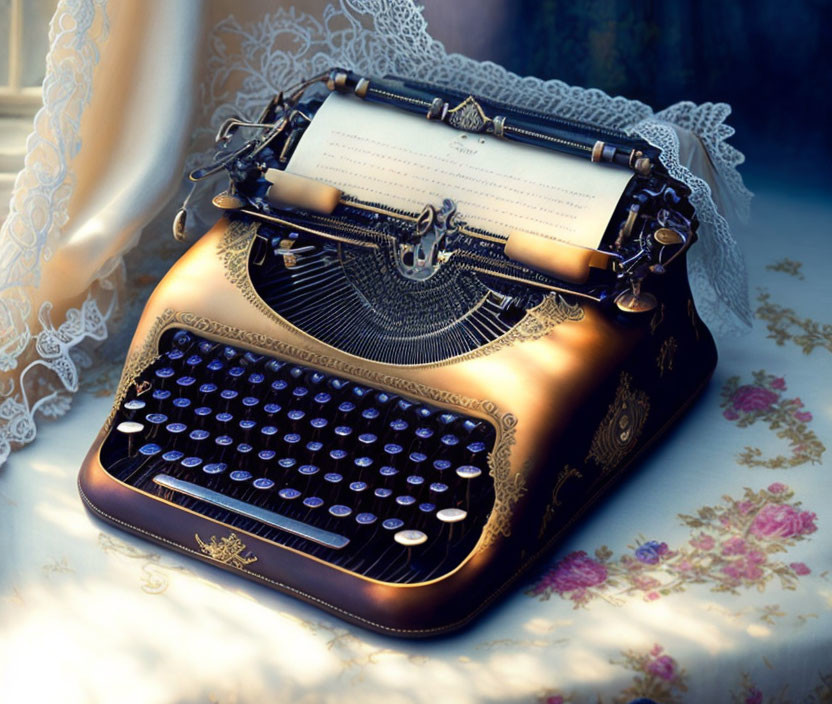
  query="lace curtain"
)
[{"x": 132, "y": 86}]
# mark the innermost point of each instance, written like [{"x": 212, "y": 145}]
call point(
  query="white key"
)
[
  {"x": 468, "y": 471},
  {"x": 410, "y": 538},
  {"x": 129, "y": 427},
  {"x": 451, "y": 515}
]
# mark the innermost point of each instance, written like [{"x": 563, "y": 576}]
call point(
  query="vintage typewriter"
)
[{"x": 426, "y": 333}]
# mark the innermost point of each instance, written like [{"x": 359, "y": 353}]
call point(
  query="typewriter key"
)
[
  {"x": 194, "y": 360},
  {"x": 202, "y": 411},
  {"x": 240, "y": 475},
  {"x": 287, "y": 462},
  {"x": 388, "y": 471},
  {"x": 449, "y": 440},
  {"x": 288, "y": 493},
  {"x": 451, "y": 515},
  {"x": 410, "y": 538},
  {"x": 266, "y": 455},
  {"x": 358, "y": 486},
  {"x": 365, "y": 519},
  {"x": 308, "y": 469},
  {"x": 427, "y": 507},
  {"x": 186, "y": 381},
  {"x": 191, "y": 462},
  {"x": 134, "y": 405},
  {"x": 236, "y": 372},
  {"x": 161, "y": 394},
  {"x": 199, "y": 435},
  {"x": 424, "y": 433},
  {"x": 405, "y": 500},
  {"x": 414, "y": 480},
  {"x": 322, "y": 398},
  {"x": 441, "y": 465},
  {"x": 129, "y": 427},
  {"x": 392, "y": 523},
  {"x": 333, "y": 477},
  {"x": 370, "y": 413},
  {"x": 272, "y": 408},
  {"x": 215, "y": 468},
  {"x": 313, "y": 502},
  {"x": 340, "y": 511},
  {"x": 175, "y": 354},
  {"x": 383, "y": 493},
  {"x": 173, "y": 456},
  {"x": 250, "y": 401},
  {"x": 278, "y": 385},
  {"x": 300, "y": 391},
  {"x": 318, "y": 423},
  {"x": 263, "y": 483},
  {"x": 150, "y": 449}
]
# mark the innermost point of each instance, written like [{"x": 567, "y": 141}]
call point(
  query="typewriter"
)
[{"x": 426, "y": 333}]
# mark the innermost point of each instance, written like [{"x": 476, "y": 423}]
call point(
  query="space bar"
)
[{"x": 270, "y": 518}]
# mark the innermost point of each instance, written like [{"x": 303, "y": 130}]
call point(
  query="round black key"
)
[
  {"x": 383, "y": 493},
  {"x": 186, "y": 381},
  {"x": 447, "y": 418},
  {"x": 224, "y": 417},
  {"x": 240, "y": 475},
  {"x": 215, "y": 468},
  {"x": 182, "y": 338},
  {"x": 268, "y": 431},
  {"x": 229, "y": 352},
  {"x": 359, "y": 391},
  {"x": 358, "y": 486},
  {"x": 263, "y": 483},
  {"x": 296, "y": 372},
  {"x": 424, "y": 412},
  {"x": 392, "y": 449},
  {"x": 193, "y": 360},
  {"x": 370, "y": 413},
  {"x": 318, "y": 423},
  {"x": 470, "y": 425},
  {"x": 308, "y": 469},
  {"x": 338, "y": 384},
  {"x": 438, "y": 488},
  {"x": 135, "y": 404},
  {"x": 202, "y": 411},
  {"x": 291, "y": 438},
  {"x": 314, "y": 446},
  {"x": 182, "y": 402},
  {"x": 175, "y": 354},
  {"x": 346, "y": 407},
  {"x": 256, "y": 378},
  {"x": 191, "y": 462},
  {"x": 415, "y": 480},
  {"x": 333, "y": 477},
  {"x": 250, "y": 401},
  {"x": 322, "y": 397},
  {"x": 403, "y": 404},
  {"x": 367, "y": 438},
  {"x": 427, "y": 507},
  {"x": 199, "y": 435},
  {"x": 417, "y": 458},
  {"x": 279, "y": 385},
  {"x": 244, "y": 448},
  {"x": 365, "y": 518},
  {"x": 382, "y": 397},
  {"x": 215, "y": 365},
  {"x": 266, "y": 455},
  {"x": 392, "y": 523},
  {"x": 176, "y": 428},
  {"x": 288, "y": 493},
  {"x": 338, "y": 454},
  {"x": 300, "y": 391},
  {"x": 405, "y": 500},
  {"x": 228, "y": 394},
  {"x": 424, "y": 433},
  {"x": 316, "y": 377},
  {"x": 340, "y": 511},
  {"x": 274, "y": 365},
  {"x": 295, "y": 414},
  {"x": 173, "y": 456},
  {"x": 156, "y": 418},
  {"x": 313, "y": 502},
  {"x": 224, "y": 440},
  {"x": 388, "y": 471},
  {"x": 476, "y": 447},
  {"x": 272, "y": 408},
  {"x": 150, "y": 449},
  {"x": 205, "y": 347},
  {"x": 161, "y": 394},
  {"x": 441, "y": 465},
  {"x": 287, "y": 462},
  {"x": 362, "y": 462},
  {"x": 236, "y": 372},
  {"x": 247, "y": 424},
  {"x": 252, "y": 357},
  {"x": 207, "y": 388},
  {"x": 165, "y": 373},
  {"x": 343, "y": 430},
  {"x": 398, "y": 425}
]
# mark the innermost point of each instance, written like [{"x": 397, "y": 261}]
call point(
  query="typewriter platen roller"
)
[{"x": 390, "y": 411}]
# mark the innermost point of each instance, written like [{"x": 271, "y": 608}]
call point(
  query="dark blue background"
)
[{"x": 769, "y": 59}]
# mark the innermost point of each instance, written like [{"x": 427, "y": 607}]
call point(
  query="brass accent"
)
[
  {"x": 336, "y": 80},
  {"x": 627, "y": 228},
  {"x": 362, "y": 87},
  {"x": 643, "y": 166},
  {"x": 289, "y": 260},
  {"x": 667, "y": 236},
  {"x": 565, "y": 261},
  {"x": 636, "y": 302},
  {"x": 227, "y": 551},
  {"x": 468, "y": 116},
  {"x": 499, "y": 123},
  {"x": 301, "y": 192},
  {"x": 142, "y": 388},
  {"x": 228, "y": 201},
  {"x": 436, "y": 108},
  {"x": 667, "y": 353},
  {"x": 564, "y": 475},
  {"x": 621, "y": 427},
  {"x": 178, "y": 226},
  {"x": 657, "y": 319},
  {"x": 597, "y": 151}
]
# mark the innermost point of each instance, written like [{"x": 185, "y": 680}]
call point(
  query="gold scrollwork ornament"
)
[{"x": 227, "y": 550}]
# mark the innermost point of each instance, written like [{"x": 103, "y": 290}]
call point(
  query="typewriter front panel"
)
[{"x": 522, "y": 399}]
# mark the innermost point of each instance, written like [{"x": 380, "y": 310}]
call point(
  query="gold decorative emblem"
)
[
  {"x": 227, "y": 551},
  {"x": 621, "y": 427},
  {"x": 468, "y": 116},
  {"x": 564, "y": 475},
  {"x": 667, "y": 354},
  {"x": 142, "y": 387}
]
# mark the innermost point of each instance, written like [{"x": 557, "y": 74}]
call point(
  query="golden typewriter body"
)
[{"x": 436, "y": 481}]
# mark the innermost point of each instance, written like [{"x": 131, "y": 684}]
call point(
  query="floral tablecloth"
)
[{"x": 704, "y": 578}]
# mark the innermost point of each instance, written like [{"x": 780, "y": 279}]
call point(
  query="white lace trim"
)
[
  {"x": 249, "y": 63},
  {"x": 38, "y": 211}
]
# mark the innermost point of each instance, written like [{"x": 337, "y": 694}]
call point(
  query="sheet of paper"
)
[{"x": 384, "y": 155}]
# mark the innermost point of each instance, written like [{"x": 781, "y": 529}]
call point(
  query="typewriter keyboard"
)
[{"x": 373, "y": 482}]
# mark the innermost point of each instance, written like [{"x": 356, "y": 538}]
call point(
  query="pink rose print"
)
[
  {"x": 753, "y": 398},
  {"x": 777, "y": 488},
  {"x": 555, "y": 699},
  {"x": 754, "y": 696},
  {"x": 652, "y": 596},
  {"x": 782, "y": 521},
  {"x": 763, "y": 401},
  {"x": 703, "y": 542},
  {"x": 734, "y": 546},
  {"x": 663, "y": 666},
  {"x": 574, "y": 573},
  {"x": 800, "y": 568}
]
